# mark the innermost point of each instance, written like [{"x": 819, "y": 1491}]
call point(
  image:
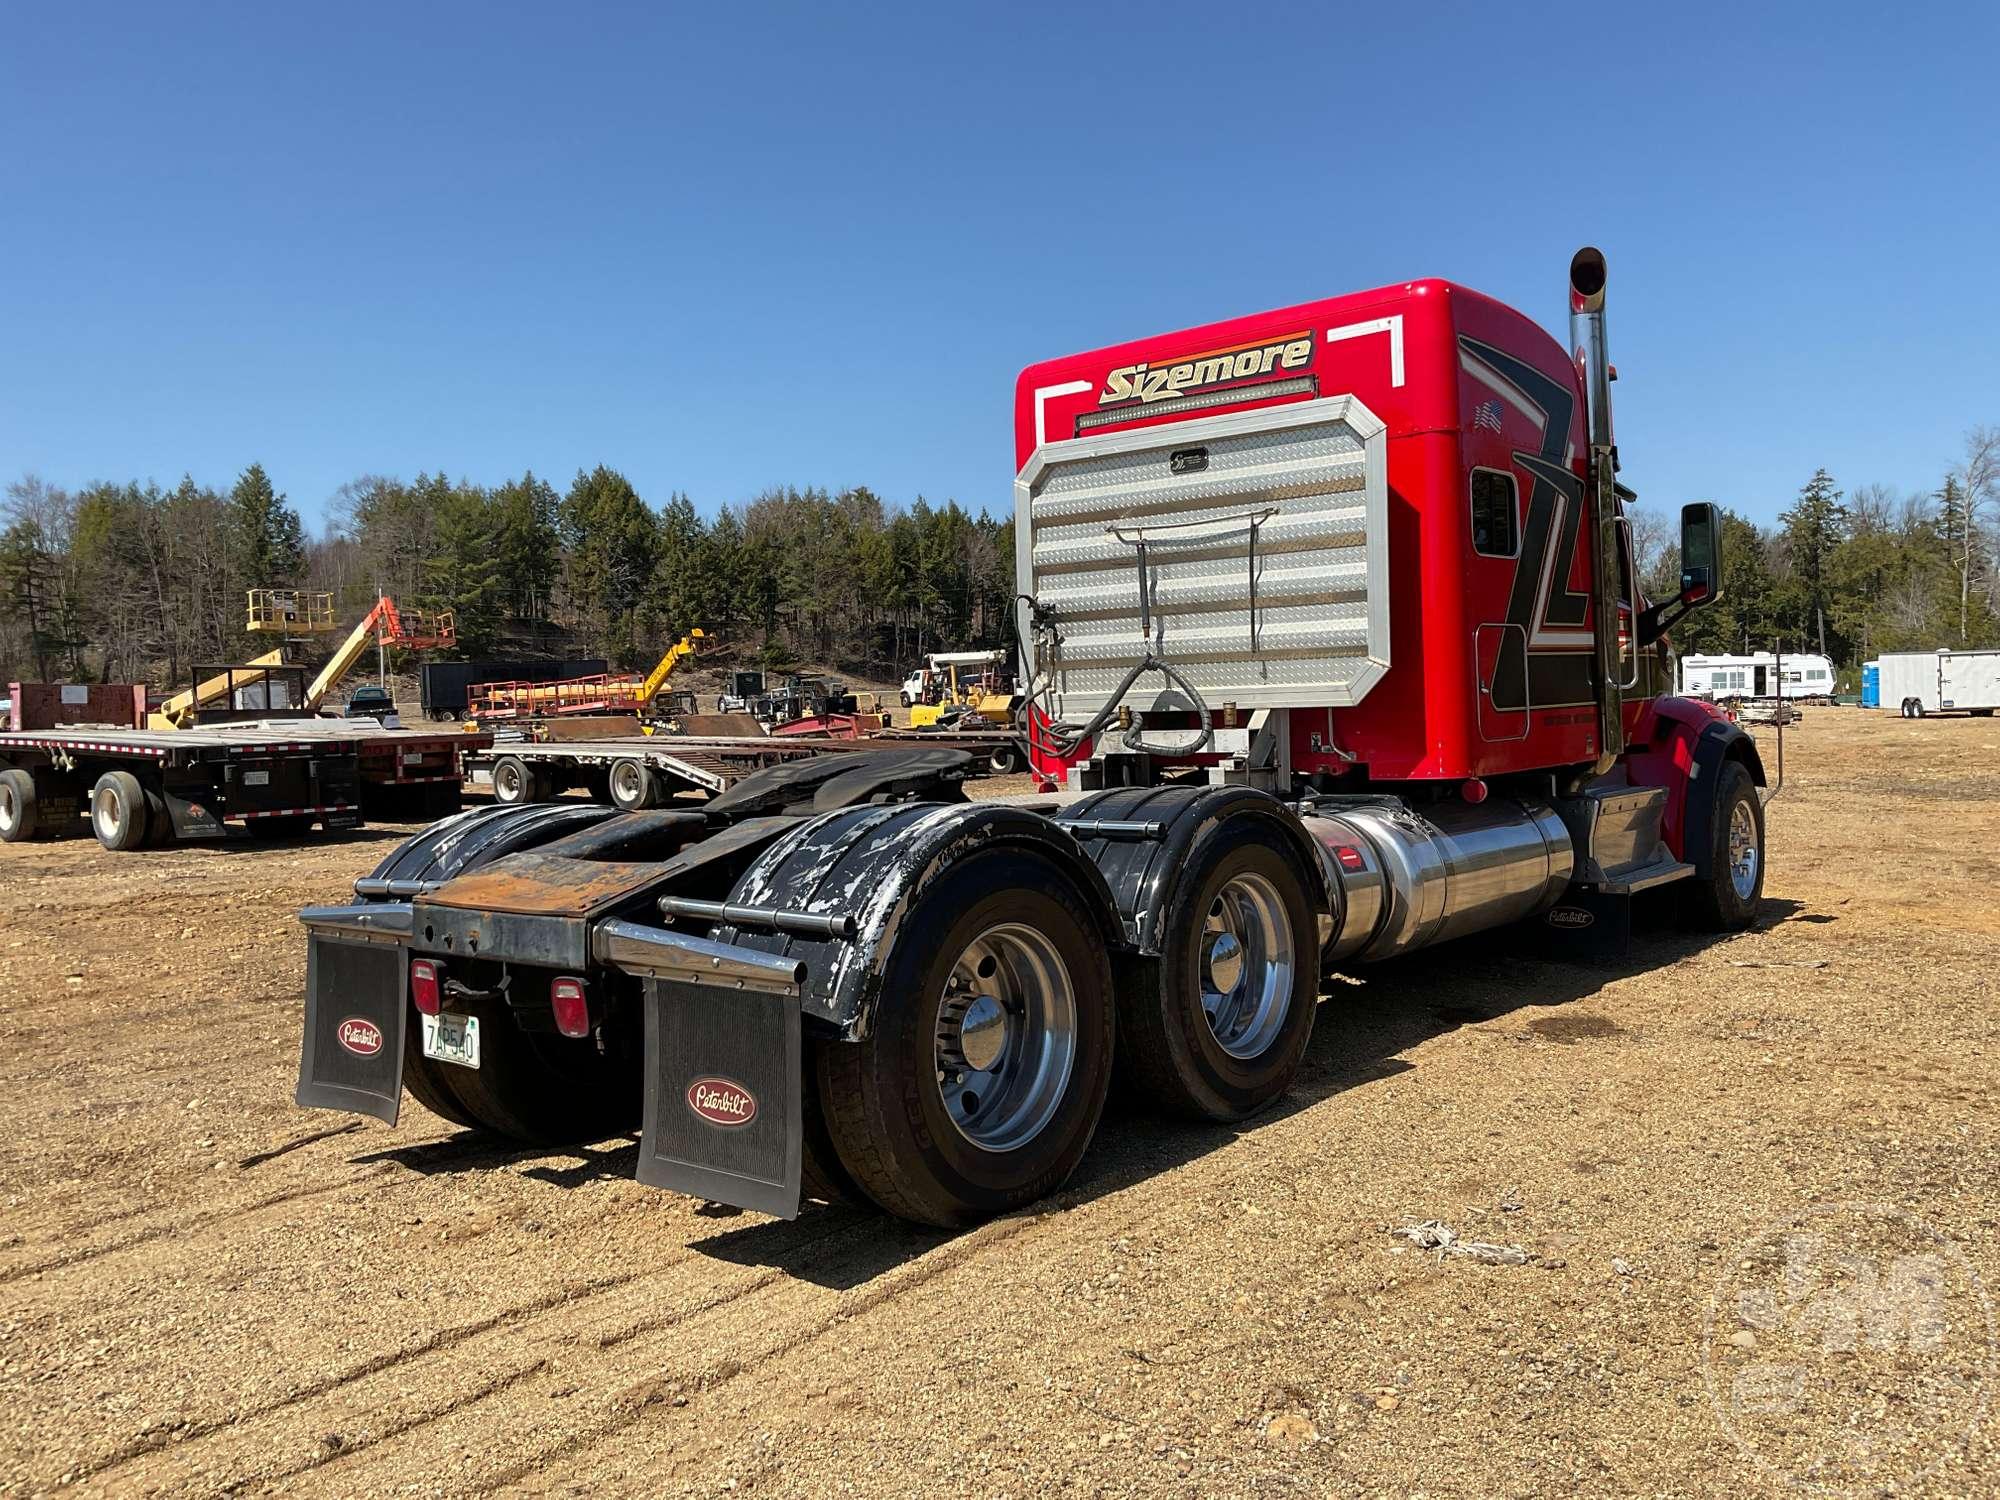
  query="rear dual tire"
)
[
  {"x": 982, "y": 1079},
  {"x": 1222, "y": 1034},
  {"x": 515, "y": 781},
  {"x": 539, "y": 1088},
  {"x": 120, "y": 815},
  {"x": 20, "y": 814},
  {"x": 634, "y": 786}
]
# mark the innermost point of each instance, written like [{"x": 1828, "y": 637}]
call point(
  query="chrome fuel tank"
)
[{"x": 1413, "y": 878}]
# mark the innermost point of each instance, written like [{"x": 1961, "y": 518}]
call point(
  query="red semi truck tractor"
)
[{"x": 1333, "y": 650}]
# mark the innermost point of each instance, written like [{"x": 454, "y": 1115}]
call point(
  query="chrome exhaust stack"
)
[
  {"x": 1587, "y": 276},
  {"x": 1586, "y": 337}
]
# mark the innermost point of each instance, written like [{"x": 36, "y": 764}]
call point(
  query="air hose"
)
[{"x": 1068, "y": 739}]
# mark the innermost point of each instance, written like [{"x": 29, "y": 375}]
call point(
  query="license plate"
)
[
  {"x": 256, "y": 778},
  {"x": 452, "y": 1039},
  {"x": 413, "y": 757}
]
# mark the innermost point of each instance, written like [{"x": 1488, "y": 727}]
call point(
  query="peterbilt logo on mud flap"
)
[
  {"x": 1570, "y": 916},
  {"x": 362, "y": 1038},
  {"x": 722, "y": 1102}
]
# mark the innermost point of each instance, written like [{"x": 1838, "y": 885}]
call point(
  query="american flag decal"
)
[{"x": 1487, "y": 414}]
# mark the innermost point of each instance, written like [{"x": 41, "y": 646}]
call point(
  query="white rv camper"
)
[
  {"x": 1806, "y": 678},
  {"x": 1915, "y": 683}
]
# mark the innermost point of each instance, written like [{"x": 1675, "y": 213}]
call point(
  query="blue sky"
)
[{"x": 729, "y": 246}]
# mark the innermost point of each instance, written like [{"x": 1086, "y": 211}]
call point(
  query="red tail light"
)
[
  {"x": 426, "y": 985},
  {"x": 572, "y": 1010}
]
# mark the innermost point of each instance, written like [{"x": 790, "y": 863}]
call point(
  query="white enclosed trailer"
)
[
  {"x": 1804, "y": 676},
  {"x": 1915, "y": 683}
]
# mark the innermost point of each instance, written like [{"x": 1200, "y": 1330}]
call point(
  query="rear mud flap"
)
[
  {"x": 355, "y": 1007},
  {"x": 723, "y": 1109},
  {"x": 193, "y": 819}
]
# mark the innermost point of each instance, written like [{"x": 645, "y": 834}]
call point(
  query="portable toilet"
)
[{"x": 1871, "y": 684}]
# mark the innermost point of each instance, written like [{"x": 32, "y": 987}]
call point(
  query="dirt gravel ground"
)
[{"x": 1754, "y": 1183}]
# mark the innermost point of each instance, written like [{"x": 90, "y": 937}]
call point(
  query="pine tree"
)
[
  {"x": 463, "y": 571},
  {"x": 610, "y": 541},
  {"x": 268, "y": 540},
  {"x": 1814, "y": 526},
  {"x": 524, "y": 515}
]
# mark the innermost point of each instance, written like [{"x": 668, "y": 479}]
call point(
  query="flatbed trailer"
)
[
  {"x": 635, "y": 772},
  {"x": 155, "y": 786},
  {"x": 1330, "y": 645}
]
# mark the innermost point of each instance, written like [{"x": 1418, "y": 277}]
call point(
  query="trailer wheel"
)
[
  {"x": 633, "y": 786},
  {"x": 540, "y": 1087},
  {"x": 1727, "y": 900},
  {"x": 19, "y": 816},
  {"x": 118, "y": 811},
  {"x": 1003, "y": 760},
  {"x": 514, "y": 781},
  {"x": 981, "y": 1082},
  {"x": 1239, "y": 983}
]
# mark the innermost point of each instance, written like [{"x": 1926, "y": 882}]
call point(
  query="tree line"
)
[
  {"x": 1850, "y": 575},
  {"x": 134, "y": 582}
]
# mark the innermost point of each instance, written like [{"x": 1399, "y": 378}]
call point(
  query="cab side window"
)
[{"x": 1496, "y": 527}]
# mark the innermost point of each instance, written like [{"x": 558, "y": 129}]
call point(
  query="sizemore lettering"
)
[{"x": 1147, "y": 382}]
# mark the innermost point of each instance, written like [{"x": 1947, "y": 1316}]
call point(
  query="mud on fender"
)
[
  {"x": 871, "y": 863},
  {"x": 1158, "y": 832}
]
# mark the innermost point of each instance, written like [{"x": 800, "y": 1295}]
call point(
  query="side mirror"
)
[
  {"x": 1701, "y": 554},
  {"x": 1701, "y": 571}
]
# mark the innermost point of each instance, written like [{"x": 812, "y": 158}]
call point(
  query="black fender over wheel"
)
[
  {"x": 1222, "y": 1033},
  {"x": 20, "y": 815},
  {"x": 119, "y": 813},
  {"x": 1724, "y": 896},
  {"x": 981, "y": 1082}
]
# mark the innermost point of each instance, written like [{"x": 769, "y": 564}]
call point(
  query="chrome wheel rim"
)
[
  {"x": 10, "y": 809},
  {"x": 626, "y": 783},
  {"x": 1006, "y": 1037},
  {"x": 105, "y": 807},
  {"x": 1247, "y": 962},
  {"x": 507, "y": 784},
  {"x": 1743, "y": 853}
]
